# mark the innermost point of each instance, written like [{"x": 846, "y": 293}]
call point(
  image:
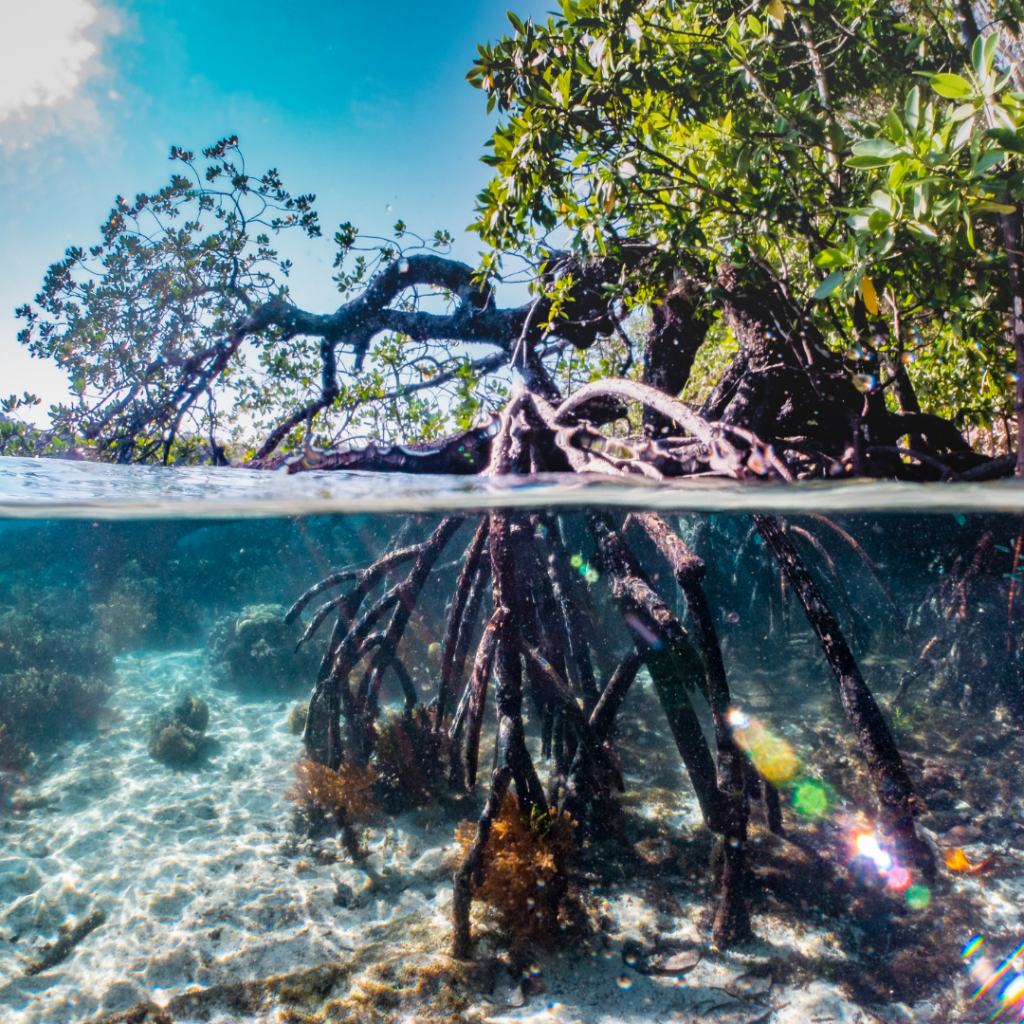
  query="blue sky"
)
[{"x": 367, "y": 106}]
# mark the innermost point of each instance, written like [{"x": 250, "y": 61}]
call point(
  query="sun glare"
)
[{"x": 43, "y": 52}]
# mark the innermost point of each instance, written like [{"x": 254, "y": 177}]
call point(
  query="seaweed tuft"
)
[
  {"x": 347, "y": 791},
  {"x": 343, "y": 796},
  {"x": 412, "y": 759},
  {"x": 524, "y": 876}
]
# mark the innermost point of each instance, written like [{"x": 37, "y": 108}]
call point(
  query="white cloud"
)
[{"x": 45, "y": 54}]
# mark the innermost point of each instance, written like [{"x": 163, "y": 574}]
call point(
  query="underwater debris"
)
[
  {"x": 411, "y": 759},
  {"x": 258, "y": 649},
  {"x": 524, "y": 874},
  {"x": 177, "y": 735},
  {"x": 67, "y": 938}
]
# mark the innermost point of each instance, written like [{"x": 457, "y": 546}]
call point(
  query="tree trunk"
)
[
  {"x": 1011, "y": 224},
  {"x": 675, "y": 335}
]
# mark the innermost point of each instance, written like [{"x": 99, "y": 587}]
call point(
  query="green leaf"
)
[
  {"x": 988, "y": 161},
  {"x": 986, "y": 206},
  {"x": 963, "y": 135},
  {"x": 921, "y": 231},
  {"x": 952, "y": 87},
  {"x": 1003, "y": 117},
  {"x": 873, "y": 147},
  {"x": 829, "y": 285},
  {"x": 873, "y": 153},
  {"x": 912, "y": 109},
  {"x": 895, "y": 126},
  {"x": 881, "y": 201},
  {"x": 869, "y": 162},
  {"x": 978, "y": 57},
  {"x": 828, "y": 258},
  {"x": 879, "y": 221},
  {"x": 991, "y": 48}
]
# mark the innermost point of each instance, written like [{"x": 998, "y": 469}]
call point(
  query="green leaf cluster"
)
[{"x": 850, "y": 151}]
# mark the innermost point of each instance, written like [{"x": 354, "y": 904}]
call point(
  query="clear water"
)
[{"x": 205, "y": 891}]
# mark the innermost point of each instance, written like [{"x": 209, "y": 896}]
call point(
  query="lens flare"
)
[
  {"x": 896, "y": 876},
  {"x": 813, "y": 799},
  {"x": 771, "y": 755},
  {"x": 899, "y": 878},
  {"x": 918, "y": 897},
  {"x": 988, "y": 978}
]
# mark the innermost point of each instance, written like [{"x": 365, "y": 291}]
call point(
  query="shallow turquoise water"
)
[{"x": 190, "y": 884}]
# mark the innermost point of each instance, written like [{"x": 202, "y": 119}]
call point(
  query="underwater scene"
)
[{"x": 511, "y": 760}]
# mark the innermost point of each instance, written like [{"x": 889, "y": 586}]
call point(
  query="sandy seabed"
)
[{"x": 207, "y": 893}]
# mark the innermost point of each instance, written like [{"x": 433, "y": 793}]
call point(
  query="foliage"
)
[
  {"x": 146, "y": 324},
  {"x": 860, "y": 158},
  {"x": 16, "y": 436},
  {"x": 524, "y": 872},
  {"x": 788, "y": 139},
  {"x": 174, "y": 272}
]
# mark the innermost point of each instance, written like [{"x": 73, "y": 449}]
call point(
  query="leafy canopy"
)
[
  {"x": 145, "y": 323},
  {"x": 852, "y": 151}
]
